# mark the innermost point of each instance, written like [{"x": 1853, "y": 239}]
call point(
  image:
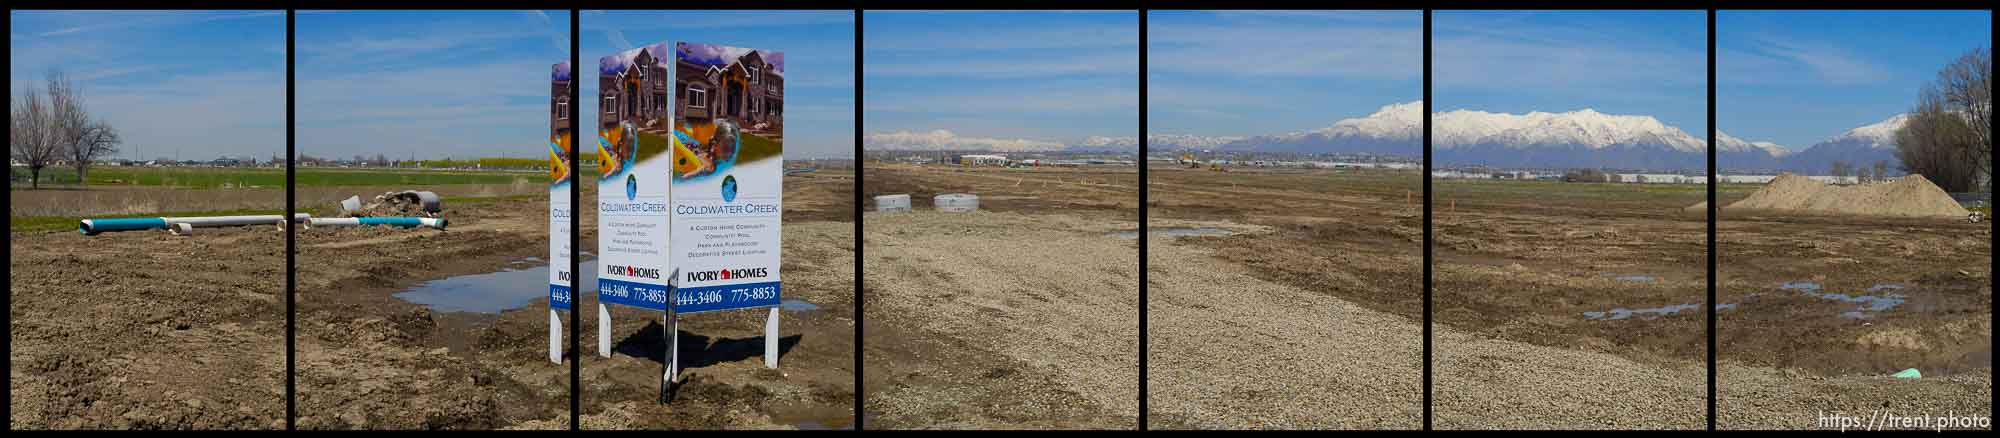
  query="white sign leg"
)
[
  {"x": 771, "y": 340},
  {"x": 603, "y": 330},
  {"x": 673, "y": 328},
  {"x": 555, "y": 337}
]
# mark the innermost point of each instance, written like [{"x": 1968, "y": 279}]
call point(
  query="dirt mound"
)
[{"x": 1910, "y": 196}]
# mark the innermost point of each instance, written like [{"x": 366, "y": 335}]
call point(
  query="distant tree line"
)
[
  {"x": 1948, "y": 137},
  {"x": 50, "y": 125}
]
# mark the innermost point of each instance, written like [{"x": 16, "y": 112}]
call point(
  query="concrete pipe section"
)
[
  {"x": 892, "y": 203},
  {"x": 956, "y": 202}
]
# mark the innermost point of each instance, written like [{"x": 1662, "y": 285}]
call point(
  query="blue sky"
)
[
  {"x": 818, "y": 48},
  {"x": 1242, "y": 73},
  {"x": 1651, "y": 63},
  {"x": 428, "y": 84},
  {"x": 1801, "y": 77},
  {"x": 1002, "y": 77},
  {"x": 202, "y": 83}
]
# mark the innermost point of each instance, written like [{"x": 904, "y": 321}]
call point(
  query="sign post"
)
[
  {"x": 561, "y": 145},
  {"x": 693, "y": 133}
]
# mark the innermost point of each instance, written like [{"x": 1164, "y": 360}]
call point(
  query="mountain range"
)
[{"x": 1580, "y": 138}]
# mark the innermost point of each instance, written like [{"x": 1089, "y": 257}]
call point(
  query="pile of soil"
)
[{"x": 1909, "y": 196}]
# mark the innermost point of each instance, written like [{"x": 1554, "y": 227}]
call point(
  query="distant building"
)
[{"x": 981, "y": 160}]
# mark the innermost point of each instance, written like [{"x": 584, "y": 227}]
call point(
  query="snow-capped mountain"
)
[
  {"x": 1581, "y": 138},
  {"x": 1101, "y": 143},
  {"x": 1392, "y": 130},
  {"x": 1737, "y": 155},
  {"x": 1186, "y": 141},
  {"x": 1861, "y": 146},
  {"x": 943, "y": 140}
]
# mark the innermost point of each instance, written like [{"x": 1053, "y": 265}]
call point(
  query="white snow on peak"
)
[
  {"x": 1116, "y": 142},
  {"x": 1585, "y": 127},
  {"x": 1879, "y": 135},
  {"x": 1395, "y": 121},
  {"x": 1728, "y": 143},
  {"x": 1188, "y": 140}
]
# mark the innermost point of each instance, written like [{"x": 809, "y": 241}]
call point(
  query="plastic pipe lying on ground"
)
[
  {"x": 93, "y": 226},
  {"x": 403, "y": 222}
]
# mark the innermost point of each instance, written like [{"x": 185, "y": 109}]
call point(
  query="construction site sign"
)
[
  {"x": 633, "y": 156},
  {"x": 728, "y": 176},
  {"x": 562, "y": 144}
]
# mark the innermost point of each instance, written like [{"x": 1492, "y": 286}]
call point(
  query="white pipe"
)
[
  {"x": 438, "y": 223},
  {"x": 229, "y": 221}
]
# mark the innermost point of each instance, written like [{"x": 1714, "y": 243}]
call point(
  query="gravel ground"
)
[
  {"x": 1767, "y": 398},
  {"x": 1000, "y": 320},
  {"x": 1483, "y": 383},
  {"x": 1230, "y": 351}
]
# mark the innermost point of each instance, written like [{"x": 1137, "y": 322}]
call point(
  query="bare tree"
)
[
  {"x": 95, "y": 139},
  {"x": 52, "y": 124},
  {"x": 1881, "y": 169},
  {"x": 1948, "y": 136},
  {"x": 1840, "y": 170},
  {"x": 33, "y": 132}
]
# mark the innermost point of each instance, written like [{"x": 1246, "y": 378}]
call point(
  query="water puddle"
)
[
  {"x": 1637, "y": 278},
  {"x": 1869, "y": 305},
  {"x": 796, "y": 305},
  {"x": 1801, "y": 285},
  {"x": 516, "y": 285},
  {"x": 1649, "y": 313},
  {"x": 1176, "y": 232}
]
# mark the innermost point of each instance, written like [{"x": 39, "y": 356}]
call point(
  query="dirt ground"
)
[
  {"x": 192, "y": 334},
  {"x": 1312, "y": 301},
  {"x": 143, "y": 330},
  {"x": 1021, "y": 316},
  {"x": 1788, "y": 356},
  {"x": 724, "y": 382},
  {"x": 1529, "y": 281}
]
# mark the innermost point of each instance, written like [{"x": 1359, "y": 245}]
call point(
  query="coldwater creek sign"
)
[{"x": 693, "y": 134}]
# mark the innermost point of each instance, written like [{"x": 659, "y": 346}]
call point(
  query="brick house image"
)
[
  {"x": 747, "y": 90},
  {"x": 560, "y": 105},
  {"x": 637, "y": 93}
]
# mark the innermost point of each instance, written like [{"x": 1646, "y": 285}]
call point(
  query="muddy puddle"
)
[
  {"x": 1636, "y": 278},
  {"x": 1878, "y": 298},
  {"x": 518, "y": 284},
  {"x": 1649, "y": 313},
  {"x": 1176, "y": 232}
]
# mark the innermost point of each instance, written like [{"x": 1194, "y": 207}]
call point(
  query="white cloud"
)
[
  {"x": 1263, "y": 46},
  {"x": 1112, "y": 62},
  {"x": 1027, "y": 34},
  {"x": 1774, "y": 59},
  {"x": 617, "y": 38},
  {"x": 191, "y": 113}
]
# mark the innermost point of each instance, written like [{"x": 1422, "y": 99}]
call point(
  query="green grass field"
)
[{"x": 223, "y": 177}]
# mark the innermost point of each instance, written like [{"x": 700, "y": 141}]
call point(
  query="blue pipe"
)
[
  {"x": 90, "y": 227},
  {"x": 405, "y": 222}
]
